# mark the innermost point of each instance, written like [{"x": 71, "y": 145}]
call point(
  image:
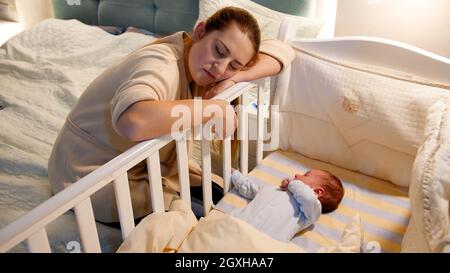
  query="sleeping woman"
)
[{"x": 132, "y": 101}]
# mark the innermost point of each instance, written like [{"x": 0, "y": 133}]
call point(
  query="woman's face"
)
[{"x": 219, "y": 54}]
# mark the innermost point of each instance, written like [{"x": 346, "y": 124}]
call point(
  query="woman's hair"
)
[
  {"x": 334, "y": 192},
  {"x": 222, "y": 18}
]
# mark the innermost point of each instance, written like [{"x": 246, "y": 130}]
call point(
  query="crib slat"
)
[
  {"x": 206, "y": 172},
  {"x": 86, "y": 224},
  {"x": 38, "y": 242},
  {"x": 124, "y": 205},
  {"x": 243, "y": 137},
  {"x": 183, "y": 170},
  {"x": 156, "y": 190},
  {"x": 226, "y": 161},
  {"x": 260, "y": 123}
]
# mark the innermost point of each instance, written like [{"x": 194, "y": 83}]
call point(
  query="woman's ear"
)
[{"x": 199, "y": 31}]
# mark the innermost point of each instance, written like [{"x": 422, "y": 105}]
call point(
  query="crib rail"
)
[{"x": 32, "y": 226}]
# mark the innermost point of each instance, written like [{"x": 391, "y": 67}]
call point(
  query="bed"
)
[{"x": 384, "y": 174}]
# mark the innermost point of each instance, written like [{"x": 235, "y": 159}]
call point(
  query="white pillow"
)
[
  {"x": 352, "y": 118},
  {"x": 429, "y": 192},
  {"x": 269, "y": 20}
]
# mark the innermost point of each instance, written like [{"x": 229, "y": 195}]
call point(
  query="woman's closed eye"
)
[
  {"x": 219, "y": 52},
  {"x": 233, "y": 67}
]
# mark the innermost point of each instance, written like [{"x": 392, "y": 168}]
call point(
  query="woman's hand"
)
[
  {"x": 229, "y": 125},
  {"x": 218, "y": 88}
]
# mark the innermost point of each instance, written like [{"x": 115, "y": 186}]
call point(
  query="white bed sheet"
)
[{"x": 43, "y": 71}]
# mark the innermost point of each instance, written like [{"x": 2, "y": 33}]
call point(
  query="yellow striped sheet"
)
[
  {"x": 372, "y": 219},
  {"x": 389, "y": 226},
  {"x": 348, "y": 211},
  {"x": 334, "y": 224},
  {"x": 386, "y": 188},
  {"x": 289, "y": 171},
  {"x": 317, "y": 238},
  {"x": 266, "y": 177},
  {"x": 376, "y": 203},
  {"x": 234, "y": 200},
  {"x": 358, "y": 196},
  {"x": 385, "y": 244},
  {"x": 327, "y": 220},
  {"x": 330, "y": 222}
]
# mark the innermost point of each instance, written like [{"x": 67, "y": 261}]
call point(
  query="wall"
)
[
  {"x": 422, "y": 23},
  {"x": 32, "y": 11}
]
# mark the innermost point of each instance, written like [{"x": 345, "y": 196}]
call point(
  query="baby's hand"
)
[{"x": 284, "y": 184}]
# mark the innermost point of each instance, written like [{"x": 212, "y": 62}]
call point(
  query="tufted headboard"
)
[{"x": 158, "y": 16}]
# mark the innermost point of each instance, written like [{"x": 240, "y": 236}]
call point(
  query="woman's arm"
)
[
  {"x": 274, "y": 55},
  {"x": 151, "y": 118},
  {"x": 265, "y": 67}
]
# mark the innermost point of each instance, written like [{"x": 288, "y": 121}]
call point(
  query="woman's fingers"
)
[
  {"x": 218, "y": 88},
  {"x": 230, "y": 122},
  {"x": 210, "y": 94}
]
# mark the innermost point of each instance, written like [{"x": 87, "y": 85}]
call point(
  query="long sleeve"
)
[
  {"x": 307, "y": 200},
  {"x": 279, "y": 50},
  {"x": 245, "y": 185}
]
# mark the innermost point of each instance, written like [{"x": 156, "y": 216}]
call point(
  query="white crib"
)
[{"x": 363, "y": 50}]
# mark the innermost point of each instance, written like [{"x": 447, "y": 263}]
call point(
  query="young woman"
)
[{"x": 132, "y": 101}]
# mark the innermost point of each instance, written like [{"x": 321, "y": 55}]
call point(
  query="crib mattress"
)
[{"x": 383, "y": 207}]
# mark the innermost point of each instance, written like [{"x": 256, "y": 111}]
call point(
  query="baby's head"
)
[{"x": 327, "y": 187}]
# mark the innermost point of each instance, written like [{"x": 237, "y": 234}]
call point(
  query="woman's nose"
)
[{"x": 220, "y": 68}]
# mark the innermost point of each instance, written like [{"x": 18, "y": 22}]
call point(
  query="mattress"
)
[{"x": 383, "y": 207}]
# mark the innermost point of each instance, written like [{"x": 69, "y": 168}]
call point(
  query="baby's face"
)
[{"x": 313, "y": 178}]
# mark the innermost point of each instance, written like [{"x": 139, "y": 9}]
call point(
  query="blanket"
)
[
  {"x": 43, "y": 71},
  {"x": 429, "y": 227},
  {"x": 179, "y": 231}
]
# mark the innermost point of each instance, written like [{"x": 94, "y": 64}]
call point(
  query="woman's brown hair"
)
[{"x": 246, "y": 23}]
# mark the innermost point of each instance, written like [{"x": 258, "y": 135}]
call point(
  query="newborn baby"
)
[{"x": 296, "y": 204}]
